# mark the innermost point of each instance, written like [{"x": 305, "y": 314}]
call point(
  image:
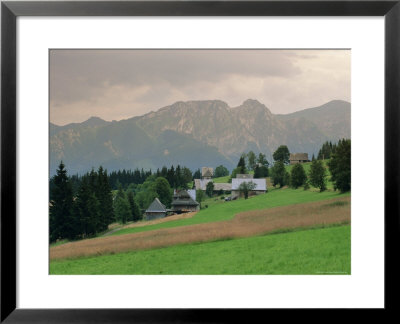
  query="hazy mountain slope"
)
[
  {"x": 333, "y": 118},
  {"x": 125, "y": 145},
  {"x": 195, "y": 134}
]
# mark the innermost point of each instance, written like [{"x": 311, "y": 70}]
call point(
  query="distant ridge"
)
[{"x": 195, "y": 134}]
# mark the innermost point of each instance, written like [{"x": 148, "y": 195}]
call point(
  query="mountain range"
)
[{"x": 195, "y": 134}]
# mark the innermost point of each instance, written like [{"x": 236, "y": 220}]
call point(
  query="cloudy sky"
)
[{"x": 118, "y": 84}]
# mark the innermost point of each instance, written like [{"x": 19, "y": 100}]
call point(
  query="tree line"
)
[
  {"x": 179, "y": 177},
  {"x": 251, "y": 162},
  {"x": 339, "y": 167}
]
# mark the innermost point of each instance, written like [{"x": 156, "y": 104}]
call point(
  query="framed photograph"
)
[{"x": 193, "y": 158}]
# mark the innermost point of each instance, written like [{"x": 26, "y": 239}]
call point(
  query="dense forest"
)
[{"x": 84, "y": 206}]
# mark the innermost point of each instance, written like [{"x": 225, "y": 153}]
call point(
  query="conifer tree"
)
[
  {"x": 171, "y": 177},
  {"x": 340, "y": 166},
  {"x": 104, "y": 195},
  {"x": 298, "y": 176},
  {"x": 241, "y": 166},
  {"x": 135, "y": 210},
  {"x": 86, "y": 209},
  {"x": 317, "y": 175},
  {"x": 279, "y": 174},
  {"x": 61, "y": 206},
  {"x": 178, "y": 177}
]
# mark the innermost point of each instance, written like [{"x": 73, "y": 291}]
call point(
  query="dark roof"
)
[
  {"x": 156, "y": 206},
  {"x": 298, "y": 157},
  {"x": 182, "y": 194},
  {"x": 182, "y": 198},
  {"x": 190, "y": 202}
]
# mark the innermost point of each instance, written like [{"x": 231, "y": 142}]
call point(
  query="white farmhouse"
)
[{"x": 260, "y": 188}]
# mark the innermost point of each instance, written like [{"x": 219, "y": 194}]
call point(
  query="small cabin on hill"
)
[
  {"x": 183, "y": 203},
  {"x": 155, "y": 210},
  {"x": 295, "y": 158}
]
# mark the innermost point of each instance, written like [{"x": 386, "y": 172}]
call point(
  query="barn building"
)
[
  {"x": 155, "y": 210},
  {"x": 260, "y": 188},
  {"x": 183, "y": 203},
  {"x": 295, "y": 158}
]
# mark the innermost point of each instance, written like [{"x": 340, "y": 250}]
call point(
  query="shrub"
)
[{"x": 297, "y": 176}]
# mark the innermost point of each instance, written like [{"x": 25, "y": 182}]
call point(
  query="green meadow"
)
[
  {"x": 220, "y": 210},
  {"x": 309, "y": 252}
]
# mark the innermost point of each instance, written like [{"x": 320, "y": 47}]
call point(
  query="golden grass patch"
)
[
  {"x": 244, "y": 224},
  {"x": 161, "y": 220}
]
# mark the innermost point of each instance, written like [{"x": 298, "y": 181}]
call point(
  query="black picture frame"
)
[{"x": 10, "y": 10}]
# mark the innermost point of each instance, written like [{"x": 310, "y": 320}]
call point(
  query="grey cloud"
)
[{"x": 81, "y": 74}]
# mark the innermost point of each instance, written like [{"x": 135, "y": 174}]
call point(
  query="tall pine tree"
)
[
  {"x": 104, "y": 195},
  {"x": 87, "y": 209},
  {"x": 60, "y": 205},
  {"x": 135, "y": 210},
  {"x": 340, "y": 166}
]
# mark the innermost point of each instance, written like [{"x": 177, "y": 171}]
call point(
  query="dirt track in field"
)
[{"x": 244, "y": 224}]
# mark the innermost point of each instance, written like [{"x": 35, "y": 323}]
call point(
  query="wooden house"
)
[
  {"x": 295, "y": 158},
  {"x": 155, "y": 210},
  {"x": 183, "y": 203}
]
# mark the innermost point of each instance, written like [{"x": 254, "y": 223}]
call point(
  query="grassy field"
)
[
  {"x": 244, "y": 224},
  {"x": 222, "y": 210},
  {"x": 315, "y": 251}
]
